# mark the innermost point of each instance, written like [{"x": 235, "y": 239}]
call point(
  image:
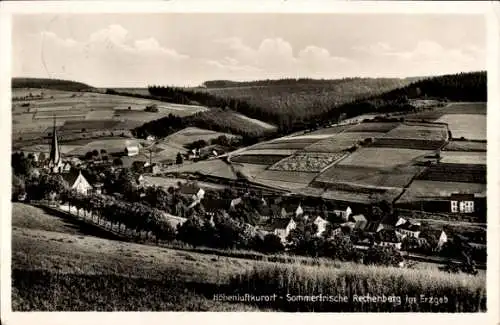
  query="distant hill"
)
[
  {"x": 285, "y": 102},
  {"x": 46, "y": 83},
  {"x": 290, "y": 82},
  {"x": 471, "y": 87}
]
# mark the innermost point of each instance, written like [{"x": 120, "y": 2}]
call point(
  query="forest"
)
[{"x": 47, "y": 83}]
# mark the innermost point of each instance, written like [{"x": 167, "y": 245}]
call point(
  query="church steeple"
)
[{"x": 55, "y": 155}]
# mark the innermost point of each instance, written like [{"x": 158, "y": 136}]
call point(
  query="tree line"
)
[{"x": 47, "y": 83}]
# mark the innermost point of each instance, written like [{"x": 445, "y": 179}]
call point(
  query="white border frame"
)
[{"x": 490, "y": 9}]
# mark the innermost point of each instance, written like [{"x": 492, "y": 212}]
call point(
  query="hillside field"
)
[{"x": 78, "y": 112}]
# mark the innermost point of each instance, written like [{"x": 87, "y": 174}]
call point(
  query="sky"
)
[{"x": 136, "y": 50}]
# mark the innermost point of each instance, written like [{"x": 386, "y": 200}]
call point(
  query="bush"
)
[{"x": 386, "y": 256}]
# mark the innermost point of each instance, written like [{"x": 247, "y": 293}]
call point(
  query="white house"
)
[
  {"x": 321, "y": 225},
  {"x": 77, "y": 182},
  {"x": 408, "y": 229},
  {"x": 443, "y": 238},
  {"x": 462, "y": 203},
  {"x": 132, "y": 151}
]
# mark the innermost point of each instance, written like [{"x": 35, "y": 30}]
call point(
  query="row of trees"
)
[{"x": 122, "y": 216}]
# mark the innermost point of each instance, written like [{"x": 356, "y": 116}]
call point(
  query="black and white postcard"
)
[{"x": 216, "y": 157}]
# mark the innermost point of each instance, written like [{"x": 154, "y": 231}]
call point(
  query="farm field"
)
[
  {"x": 366, "y": 176},
  {"x": 465, "y": 108},
  {"x": 341, "y": 141},
  {"x": 450, "y": 108},
  {"x": 80, "y": 107},
  {"x": 268, "y": 152},
  {"x": 259, "y": 123},
  {"x": 466, "y": 146},
  {"x": 463, "y": 157},
  {"x": 286, "y": 143},
  {"x": 382, "y": 157},
  {"x": 373, "y": 127},
  {"x": 167, "y": 182},
  {"x": 192, "y": 134},
  {"x": 287, "y": 176},
  {"x": 307, "y": 162},
  {"x": 212, "y": 167},
  {"x": 327, "y": 131},
  {"x": 110, "y": 145},
  {"x": 45, "y": 148},
  {"x": 58, "y": 265},
  {"x": 467, "y": 126},
  {"x": 360, "y": 197},
  {"x": 424, "y": 131},
  {"x": 265, "y": 160},
  {"x": 462, "y": 173},
  {"x": 423, "y": 189}
]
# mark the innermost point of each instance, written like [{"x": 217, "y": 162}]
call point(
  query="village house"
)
[
  {"x": 235, "y": 202},
  {"x": 76, "y": 181},
  {"x": 363, "y": 244},
  {"x": 291, "y": 210},
  {"x": 321, "y": 225},
  {"x": 131, "y": 151},
  {"x": 344, "y": 214},
  {"x": 214, "y": 206},
  {"x": 462, "y": 203},
  {"x": 280, "y": 227},
  {"x": 438, "y": 236},
  {"x": 388, "y": 238},
  {"x": 193, "y": 191},
  {"x": 409, "y": 229},
  {"x": 175, "y": 221}
]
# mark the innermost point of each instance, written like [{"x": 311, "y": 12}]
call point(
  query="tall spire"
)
[{"x": 55, "y": 155}]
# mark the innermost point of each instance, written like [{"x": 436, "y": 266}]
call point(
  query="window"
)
[
  {"x": 454, "y": 206},
  {"x": 469, "y": 206}
]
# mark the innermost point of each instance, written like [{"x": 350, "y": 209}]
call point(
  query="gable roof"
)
[
  {"x": 71, "y": 177},
  {"x": 214, "y": 205},
  {"x": 409, "y": 226},
  {"x": 189, "y": 189},
  {"x": 372, "y": 226},
  {"x": 388, "y": 236},
  {"x": 276, "y": 223}
]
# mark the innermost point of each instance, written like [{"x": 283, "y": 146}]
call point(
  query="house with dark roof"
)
[
  {"x": 433, "y": 235},
  {"x": 388, "y": 238},
  {"x": 363, "y": 244},
  {"x": 280, "y": 227},
  {"x": 195, "y": 192},
  {"x": 213, "y": 206}
]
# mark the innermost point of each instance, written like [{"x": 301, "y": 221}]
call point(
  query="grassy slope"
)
[{"x": 59, "y": 265}]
